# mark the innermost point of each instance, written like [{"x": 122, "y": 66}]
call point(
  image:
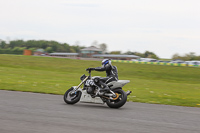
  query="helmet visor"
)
[{"x": 105, "y": 62}]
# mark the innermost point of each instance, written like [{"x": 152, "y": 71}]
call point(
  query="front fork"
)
[{"x": 77, "y": 87}]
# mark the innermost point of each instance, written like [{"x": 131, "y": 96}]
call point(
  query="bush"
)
[{"x": 17, "y": 51}]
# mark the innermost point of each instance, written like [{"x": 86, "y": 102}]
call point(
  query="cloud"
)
[{"x": 164, "y": 27}]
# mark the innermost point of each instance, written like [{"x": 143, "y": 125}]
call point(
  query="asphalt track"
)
[{"x": 24, "y": 112}]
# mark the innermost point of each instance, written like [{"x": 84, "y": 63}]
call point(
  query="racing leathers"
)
[{"x": 111, "y": 73}]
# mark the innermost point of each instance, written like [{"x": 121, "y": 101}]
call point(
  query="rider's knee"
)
[{"x": 96, "y": 80}]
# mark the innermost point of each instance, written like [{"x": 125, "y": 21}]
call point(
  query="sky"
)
[{"x": 165, "y": 27}]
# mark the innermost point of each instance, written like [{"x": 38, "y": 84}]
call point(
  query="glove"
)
[{"x": 90, "y": 69}]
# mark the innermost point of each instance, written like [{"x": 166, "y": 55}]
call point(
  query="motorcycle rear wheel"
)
[
  {"x": 120, "y": 101},
  {"x": 72, "y": 98}
]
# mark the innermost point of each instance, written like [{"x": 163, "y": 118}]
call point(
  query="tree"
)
[
  {"x": 186, "y": 57},
  {"x": 72, "y": 50},
  {"x": 66, "y": 47},
  {"x": 154, "y": 56},
  {"x": 146, "y": 54},
  {"x": 49, "y": 50},
  {"x": 32, "y": 49},
  {"x": 16, "y": 49},
  {"x": 115, "y": 52},
  {"x": 197, "y": 58},
  {"x": 192, "y": 55},
  {"x": 103, "y": 47},
  {"x": 3, "y": 44},
  {"x": 139, "y": 54},
  {"x": 54, "y": 45},
  {"x": 149, "y": 54},
  {"x": 176, "y": 56},
  {"x": 129, "y": 53},
  {"x": 76, "y": 49}
]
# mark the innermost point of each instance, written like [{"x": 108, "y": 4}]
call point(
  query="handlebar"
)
[{"x": 89, "y": 71}]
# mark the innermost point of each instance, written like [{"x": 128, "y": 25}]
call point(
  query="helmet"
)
[{"x": 105, "y": 61}]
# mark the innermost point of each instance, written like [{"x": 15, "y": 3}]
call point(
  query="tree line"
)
[
  {"x": 186, "y": 57},
  {"x": 17, "y": 47}
]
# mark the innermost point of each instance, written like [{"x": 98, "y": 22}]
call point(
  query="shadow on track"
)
[{"x": 94, "y": 106}]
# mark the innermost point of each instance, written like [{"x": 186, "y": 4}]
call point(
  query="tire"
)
[
  {"x": 119, "y": 102},
  {"x": 72, "y": 99}
]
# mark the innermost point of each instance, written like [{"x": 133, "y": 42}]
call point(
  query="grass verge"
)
[{"x": 149, "y": 83}]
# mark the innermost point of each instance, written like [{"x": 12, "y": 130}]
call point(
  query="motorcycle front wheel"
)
[
  {"x": 71, "y": 98},
  {"x": 119, "y": 101}
]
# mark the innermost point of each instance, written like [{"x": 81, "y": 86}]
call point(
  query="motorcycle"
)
[{"x": 90, "y": 93}]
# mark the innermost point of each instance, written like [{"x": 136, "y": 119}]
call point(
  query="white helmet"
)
[{"x": 106, "y": 61}]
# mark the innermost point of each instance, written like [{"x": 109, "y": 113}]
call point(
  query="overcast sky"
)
[{"x": 164, "y": 27}]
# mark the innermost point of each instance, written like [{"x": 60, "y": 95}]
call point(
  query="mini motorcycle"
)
[{"x": 90, "y": 93}]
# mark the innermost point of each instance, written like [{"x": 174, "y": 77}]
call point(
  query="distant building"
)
[
  {"x": 115, "y": 57},
  {"x": 65, "y": 54},
  {"x": 39, "y": 52},
  {"x": 27, "y": 52},
  {"x": 90, "y": 51}
]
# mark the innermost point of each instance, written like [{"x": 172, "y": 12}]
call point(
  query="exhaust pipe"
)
[{"x": 128, "y": 93}]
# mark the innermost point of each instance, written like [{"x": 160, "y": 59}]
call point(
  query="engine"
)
[
  {"x": 90, "y": 86},
  {"x": 90, "y": 90}
]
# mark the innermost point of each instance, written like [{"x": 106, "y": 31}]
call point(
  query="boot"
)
[{"x": 105, "y": 89}]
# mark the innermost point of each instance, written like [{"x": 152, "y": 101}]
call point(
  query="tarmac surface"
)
[{"x": 24, "y": 112}]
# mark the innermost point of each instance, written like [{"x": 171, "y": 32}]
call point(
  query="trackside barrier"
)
[{"x": 156, "y": 63}]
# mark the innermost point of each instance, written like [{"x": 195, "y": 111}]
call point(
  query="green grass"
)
[{"x": 149, "y": 83}]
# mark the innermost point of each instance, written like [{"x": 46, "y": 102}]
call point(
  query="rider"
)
[{"x": 111, "y": 72}]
